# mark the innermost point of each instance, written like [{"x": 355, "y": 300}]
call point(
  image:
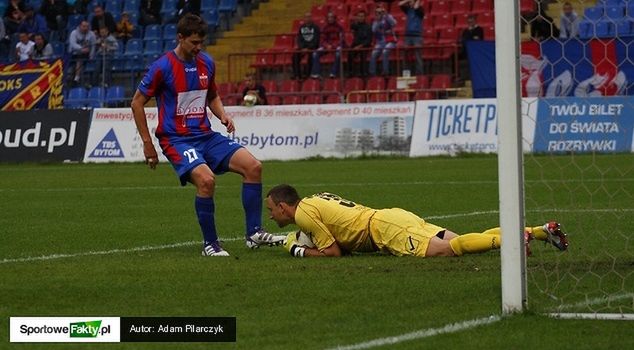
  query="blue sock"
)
[
  {"x": 252, "y": 204},
  {"x": 205, "y": 209}
]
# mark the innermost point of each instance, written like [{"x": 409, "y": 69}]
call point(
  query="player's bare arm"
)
[
  {"x": 138, "y": 111},
  {"x": 218, "y": 109},
  {"x": 332, "y": 250}
]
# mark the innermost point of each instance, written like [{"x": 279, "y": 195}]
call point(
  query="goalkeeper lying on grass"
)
[{"x": 337, "y": 226}]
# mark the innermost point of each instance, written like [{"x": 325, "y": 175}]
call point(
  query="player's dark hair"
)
[
  {"x": 284, "y": 194},
  {"x": 191, "y": 24}
]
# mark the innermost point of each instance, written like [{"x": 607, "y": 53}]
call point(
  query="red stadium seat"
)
[
  {"x": 284, "y": 41},
  {"x": 422, "y": 82},
  {"x": 269, "y": 85},
  {"x": 353, "y": 84},
  {"x": 332, "y": 84},
  {"x": 440, "y": 81},
  {"x": 357, "y": 98},
  {"x": 375, "y": 83},
  {"x": 333, "y": 98},
  {"x": 460, "y": 21},
  {"x": 264, "y": 59},
  {"x": 291, "y": 100},
  {"x": 314, "y": 99},
  {"x": 391, "y": 83},
  {"x": 400, "y": 96},
  {"x": 319, "y": 11},
  {"x": 486, "y": 19},
  {"x": 226, "y": 88},
  {"x": 274, "y": 100},
  {"x": 439, "y": 7},
  {"x": 380, "y": 97},
  {"x": 443, "y": 21},
  {"x": 289, "y": 85},
  {"x": 527, "y": 7},
  {"x": 311, "y": 85},
  {"x": 424, "y": 95},
  {"x": 461, "y": 7},
  {"x": 482, "y": 6}
]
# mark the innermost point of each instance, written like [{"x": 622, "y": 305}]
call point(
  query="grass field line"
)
[
  {"x": 423, "y": 333},
  {"x": 597, "y": 301},
  {"x": 401, "y": 183}
]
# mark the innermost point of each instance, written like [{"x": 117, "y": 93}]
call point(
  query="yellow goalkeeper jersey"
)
[{"x": 328, "y": 218}]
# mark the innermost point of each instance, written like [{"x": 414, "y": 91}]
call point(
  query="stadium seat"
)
[
  {"x": 96, "y": 96},
  {"x": 375, "y": 83},
  {"x": 76, "y": 98},
  {"x": 113, "y": 6},
  {"x": 439, "y": 7},
  {"x": 422, "y": 82},
  {"x": 168, "y": 8},
  {"x": 482, "y": 6},
  {"x": 311, "y": 85},
  {"x": 169, "y": 31},
  {"x": 230, "y": 100},
  {"x": 353, "y": 84},
  {"x": 460, "y": 7},
  {"x": 274, "y": 100},
  {"x": 391, "y": 82},
  {"x": 332, "y": 84},
  {"x": 284, "y": 41},
  {"x": 527, "y": 7},
  {"x": 152, "y": 47},
  {"x": 225, "y": 89},
  {"x": 58, "y": 49},
  {"x": 132, "y": 6},
  {"x": 624, "y": 28},
  {"x": 313, "y": 99},
  {"x": 289, "y": 85},
  {"x": 133, "y": 47},
  {"x": 593, "y": 13},
  {"x": 208, "y": 4},
  {"x": 264, "y": 59},
  {"x": 614, "y": 12},
  {"x": 357, "y": 98},
  {"x": 115, "y": 96},
  {"x": 169, "y": 44},
  {"x": 152, "y": 32},
  {"x": 332, "y": 98},
  {"x": 269, "y": 85},
  {"x": 440, "y": 81},
  {"x": 460, "y": 21},
  {"x": 630, "y": 9},
  {"x": 228, "y": 6},
  {"x": 400, "y": 96},
  {"x": 424, "y": 95},
  {"x": 444, "y": 21},
  {"x": 379, "y": 97},
  {"x": 291, "y": 100},
  {"x": 586, "y": 29},
  {"x": 212, "y": 17},
  {"x": 604, "y": 29},
  {"x": 319, "y": 11},
  {"x": 486, "y": 19},
  {"x": 73, "y": 21}
]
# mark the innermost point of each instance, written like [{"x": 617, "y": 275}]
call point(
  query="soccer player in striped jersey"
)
[
  {"x": 338, "y": 226},
  {"x": 183, "y": 83}
]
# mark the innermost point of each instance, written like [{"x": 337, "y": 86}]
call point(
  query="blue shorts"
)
[{"x": 185, "y": 154}]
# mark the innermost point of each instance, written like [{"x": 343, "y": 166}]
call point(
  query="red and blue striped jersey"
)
[{"x": 182, "y": 89}]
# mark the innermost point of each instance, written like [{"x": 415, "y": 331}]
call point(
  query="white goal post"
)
[{"x": 510, "y": 162}]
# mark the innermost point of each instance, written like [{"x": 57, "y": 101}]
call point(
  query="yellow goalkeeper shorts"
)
[{"x": 400, "y": 232}]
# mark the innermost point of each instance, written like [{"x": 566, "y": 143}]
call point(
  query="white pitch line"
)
[{"x": 423, "y": 333}]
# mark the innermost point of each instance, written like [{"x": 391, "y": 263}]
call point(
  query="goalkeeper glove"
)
[{"x": 290, "y": 244}]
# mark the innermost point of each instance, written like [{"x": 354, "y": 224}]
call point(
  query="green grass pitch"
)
[{"x": 100, "y": 216}]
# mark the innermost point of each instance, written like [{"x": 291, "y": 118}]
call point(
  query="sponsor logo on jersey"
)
[
  {"x": 191, "y": 103},
  {"x": 203, "y": 80}
]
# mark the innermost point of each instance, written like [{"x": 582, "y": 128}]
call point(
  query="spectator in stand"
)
[
  {"x": 12, "y": 7},
  {"x": 472, "y": 32},
  {"x": 361, "y": 41},
  {"x": 307, "y": 42},
  {"x": 125, "y": 28},
  {"x": 81, "y": 46},
  {"x": 105, "y": 47},
  {"x": 188, "y": 6},
  {"x": 102, "y": 19},
  {"x": 543, "y": 26},
  {"x": 24, "y": 47},
  {"x": 331, "y": 39},
  {"x": 56, "y": 14},
  {"x": 413, "y": 29},
  {"x": 385, "y": 39},
  {"x": 150, "y": 12},
  {"x": 42, "y": 49},
  {"x": 252, "y": 87},
  {"x": 12, "y": 22},
  {"x": 569, "y": 22},
  {"x": 5, "y": 43},
  {"x": 33, "y": 22}
]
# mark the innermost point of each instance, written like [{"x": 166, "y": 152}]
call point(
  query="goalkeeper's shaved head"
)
[{"x": 284, "y": 194}]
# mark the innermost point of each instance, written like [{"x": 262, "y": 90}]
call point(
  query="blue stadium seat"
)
[
  {"x": 58, "y": 49},
  {"x": 73, "y": 21},
  {"x": 607, "y": 3},
  {"x": 133, "y": 47},
  {"x": 153, "y": 47},
  {"x": 229, "y": 6},
  {"x": 169, "y": 44},
  {"x": 604, "y": 29},
  {"x": 131, "y": 6},
  {"x": 586, "y": 29},
  {"x": 211, "y": 17},
  {"x": 113, "y": 6},
  {"x": 168, "y": 9},
  {"x": 76, "y": 98},
  {"x": 593, "y": 13},
  {"x": 208, "y": 5},
  {"x": 115, "y": 96},
  {"x": 152, "y": 32},
  {"x": 169, "y": 31},
  {"x": 624, "y": 28},
  {"x": 615, "y": 12},
  {"x": 96, "y": 96}
]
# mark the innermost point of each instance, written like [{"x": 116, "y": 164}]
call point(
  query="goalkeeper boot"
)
[
  {"x": 214, "y": 249},
  {"x": 261, "y": 237},
  {"x": 556, "y": 236}
]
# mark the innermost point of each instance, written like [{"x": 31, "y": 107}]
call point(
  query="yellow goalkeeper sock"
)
[
  {"x": 538, "y": 232},
  {"x": 474, "y": 243}
]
